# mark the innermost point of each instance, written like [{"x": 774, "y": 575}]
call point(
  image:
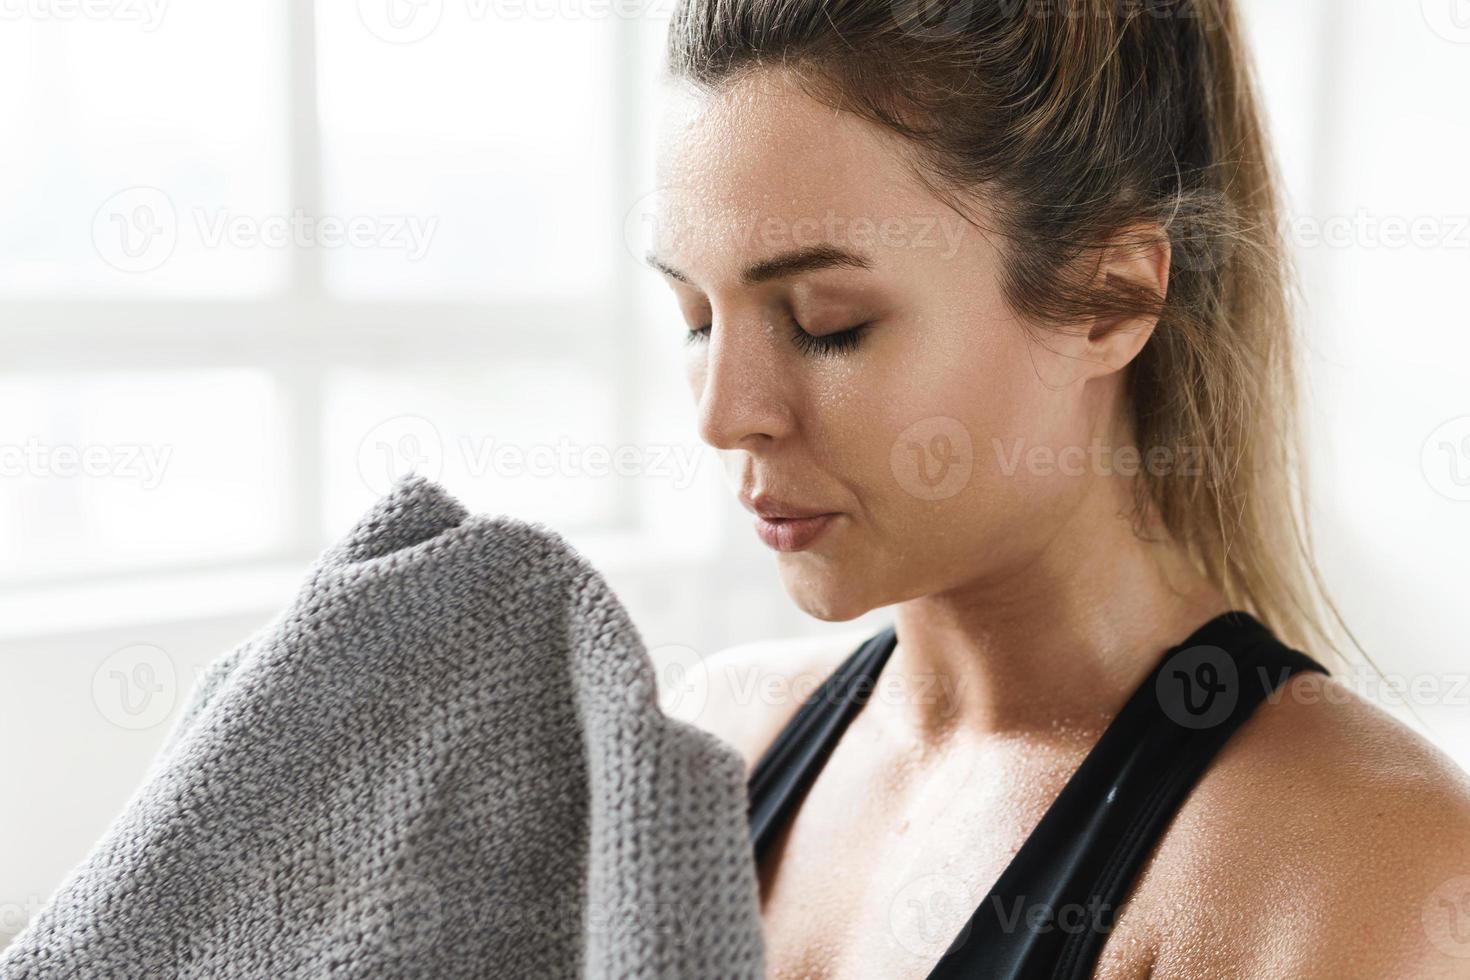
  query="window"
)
[{"x": 258, "y": 259}]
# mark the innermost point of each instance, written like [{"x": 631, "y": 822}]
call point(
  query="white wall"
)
[{"x": 1368, "y": 107}]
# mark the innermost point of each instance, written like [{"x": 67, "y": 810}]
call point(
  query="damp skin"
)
[
  {"x": 1026, "y": 592},
  {"x": 1010, "y": 565}
]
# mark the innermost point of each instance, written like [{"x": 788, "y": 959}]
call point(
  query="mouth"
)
[{"x": 792, "y": 533}]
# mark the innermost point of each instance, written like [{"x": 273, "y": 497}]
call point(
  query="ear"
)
[{"x": 1133, "y": 263}]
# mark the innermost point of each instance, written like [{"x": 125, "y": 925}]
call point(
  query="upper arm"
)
[
  {"x": 1392, "y": 886},
  {"x": 1426, "y": 933},
  {"x": 1394, "y": 902}
]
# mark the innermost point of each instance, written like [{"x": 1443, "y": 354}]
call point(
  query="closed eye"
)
[{"x": 826, "y": 345}]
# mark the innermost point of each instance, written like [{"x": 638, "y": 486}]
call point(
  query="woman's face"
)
[{"x": 920, "y": 436}]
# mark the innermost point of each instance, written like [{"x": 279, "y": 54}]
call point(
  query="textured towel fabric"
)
[{"x": 444, "y": 759}]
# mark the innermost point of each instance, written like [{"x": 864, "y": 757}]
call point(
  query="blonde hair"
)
[{"x": 1079, "y": 120}]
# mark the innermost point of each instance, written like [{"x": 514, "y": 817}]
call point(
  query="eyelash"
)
[{"x": 827, "y": 345}]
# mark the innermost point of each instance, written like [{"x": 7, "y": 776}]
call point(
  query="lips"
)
[
  {"x": 787, "y": 525},
  {"x": 792, "y": 533},
  {"x": 772, "y": 508}
]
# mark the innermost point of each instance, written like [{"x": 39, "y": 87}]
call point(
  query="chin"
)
[{"x": 830, "y": 600}]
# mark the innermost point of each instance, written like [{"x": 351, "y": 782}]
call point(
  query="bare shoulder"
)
[
  {"x": 745, "y": 694},
  {"x": 1328, "y": 839}
]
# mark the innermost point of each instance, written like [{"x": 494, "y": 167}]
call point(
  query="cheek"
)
[
  {"x": 941, "y": 431},
  {"x": 954, "y": 393}
]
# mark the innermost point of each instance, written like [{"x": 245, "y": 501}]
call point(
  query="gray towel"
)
[{"x": 445, "y": 758}]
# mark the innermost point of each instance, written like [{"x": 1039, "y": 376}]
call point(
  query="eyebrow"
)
[{"x": 792, "y": 263}]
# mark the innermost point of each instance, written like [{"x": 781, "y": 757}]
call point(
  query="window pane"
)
[
  {"x": 492, "y": 133},
  {"x": 529, "y": 439},
  {"x": 134, "y": 132},
  {"x": 106, "y": 472}
]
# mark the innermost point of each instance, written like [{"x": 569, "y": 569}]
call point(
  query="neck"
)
[{"x": 1056, "y": 645}]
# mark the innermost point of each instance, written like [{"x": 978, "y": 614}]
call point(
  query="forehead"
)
[{"x": 759, "y": 167}]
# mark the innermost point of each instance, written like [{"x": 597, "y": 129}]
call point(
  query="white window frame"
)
[{"x": 299, "y": 332}]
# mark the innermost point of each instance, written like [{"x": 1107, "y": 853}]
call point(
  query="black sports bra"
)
[{"x": 1074, "y": 870}]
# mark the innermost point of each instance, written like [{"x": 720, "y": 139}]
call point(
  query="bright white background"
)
[{"x": 198, "y": 393}]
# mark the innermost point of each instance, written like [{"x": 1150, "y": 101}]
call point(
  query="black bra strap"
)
[
  {"x": 787, "y": 768},
  {"x": 1074, "y": 871},
  {"x": 1051, "y": 910}
]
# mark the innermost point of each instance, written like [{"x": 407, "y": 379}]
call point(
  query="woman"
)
[{"x": 988, "y": 315}]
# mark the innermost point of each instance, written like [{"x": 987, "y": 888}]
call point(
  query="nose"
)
[{"x": 741, "y": 386}]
